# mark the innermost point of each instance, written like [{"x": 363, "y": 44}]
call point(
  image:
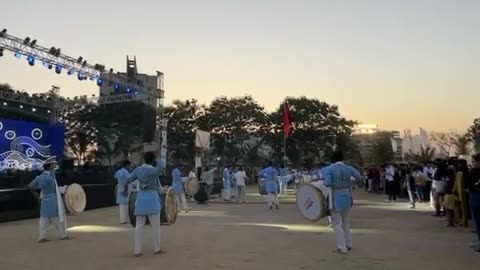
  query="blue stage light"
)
[
  {"x": 136, "y": 92},
  {"x": 99, "y": 81},
  {"x": 45, "y": 64},
  {"x": 80, "y": 76},
  {"x": 116, "y": 87},
  {"x": 58, "y": 68},
  {"x": 71, "y": 71},
  {"x": 31, "y": 60},
  {"x": 18, "y": 54},
  {"x": 128, "y": 89}
]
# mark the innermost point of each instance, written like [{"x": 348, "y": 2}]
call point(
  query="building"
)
[{"x": 368, "y": 135}]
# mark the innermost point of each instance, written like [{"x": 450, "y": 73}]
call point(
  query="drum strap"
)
[{"x": 61, "y": 211}]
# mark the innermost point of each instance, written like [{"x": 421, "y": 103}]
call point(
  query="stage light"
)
[
  {"x": 26, "y": 41},
  {"x": 116, "y": 87},
  {"x": 48, "y": 111},
  {"x": 128, "y": 89},
  {"x": 50, "y": 66},
  {"x": 71, "y": 71},
  {"x": 58, "y": 68},
  {"x": 1, "y": 52},
  {"x": 45, "y": 64},
  {"x": 3, "y": 33},
  {"x": 33, "y": 43},
  {"x": 5, "y": 103},
  {"x": 99, "y": 81},
  {"x": 136, "y": 93},
  {"x": 34, "y": 110},
  {"x": 31, "y": 60},
  {"x": 21, "y": 106},
  {"x": 18, "y": 54},
  {"x": 80, "y": 76},
  {"x": 84, "y": 63}
]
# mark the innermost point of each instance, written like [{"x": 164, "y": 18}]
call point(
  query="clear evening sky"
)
[{"x": 400, "y": 64}]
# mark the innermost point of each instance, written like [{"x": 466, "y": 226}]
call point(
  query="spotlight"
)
[
  {"x": 136, "y": 93},
  {"x": 71, "y": 71},
  {"x": 50, "y": 66},
  {"x": 58, "y": 68},
  {"x": 80, "y": 59},
  {"x": 33, "y": 109},
  {"x": 80, "y": 76},
  {"x": 99, "y": 81},
  {"x": 116, "y": 87},
  {"x": 26, "y": 41},
  {"x": 3, "y": 33},
  {"x": 128, "y": 89},
  {"x": 31, "y": 60},
  {"x": 33, "y": 43},
  {"x": 52, "y": 51},
  {"x": 84, "y": 63},
  {"x": 1, "y": 52},
  {"x": 45, "y": 64},
  {"x": 18, "y": 54}
]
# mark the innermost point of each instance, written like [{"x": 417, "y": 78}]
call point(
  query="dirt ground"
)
[{"x": 231, "y": 236}]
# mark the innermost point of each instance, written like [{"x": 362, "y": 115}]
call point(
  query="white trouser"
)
[
  {"x": 272, "y": 199},
  {"x": 140, "y": 224},
  {"x": 341, "y": 226},
  {"x": 123, "y": 208},
  {"x": 241, "y": 193},
  {"x": 226, "y": 194},
  {"x": 43, "y": 226},
  {"x": 180, "y": 197},
  {"x": 370, "y": 185}
]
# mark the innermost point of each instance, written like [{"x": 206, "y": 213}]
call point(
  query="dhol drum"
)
[
  {"x": 192, "y": 186},
  {"x": 168, "y": 212},
  {"x": 311, "y": 202},
  {"x": 75, "y": 199}
]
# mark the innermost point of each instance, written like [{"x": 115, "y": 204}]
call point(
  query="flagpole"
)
[{"x": 284, "y": 151}]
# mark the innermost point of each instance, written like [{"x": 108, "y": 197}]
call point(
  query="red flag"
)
[{"x": 286, "y": 120}]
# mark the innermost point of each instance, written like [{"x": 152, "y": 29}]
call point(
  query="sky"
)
[{"x": 400, "y": 64}]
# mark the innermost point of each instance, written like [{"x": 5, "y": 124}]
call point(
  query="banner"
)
[{"x": 202, "y": 139}]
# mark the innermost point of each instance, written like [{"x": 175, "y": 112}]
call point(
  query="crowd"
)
[{"x": 450, "y": 186}]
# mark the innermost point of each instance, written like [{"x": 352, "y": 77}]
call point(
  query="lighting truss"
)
[
  {"x": 53, "y": 58},
  {"x": 25, "y": 99}
]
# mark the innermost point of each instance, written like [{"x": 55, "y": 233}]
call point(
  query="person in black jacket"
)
[{"x": 473, "y": 186}]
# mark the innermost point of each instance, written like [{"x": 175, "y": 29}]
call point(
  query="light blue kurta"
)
[
  {"x": 148, "y": 199},
  {"x": 46, "y": 182},
  {"x": 269, "y": 174},
  {"x": 283, "y": 176},
  {"x": 177, "y": 183},
  {"x": 226, "y": 179},
  {"x": 338, "y": 177},
  {"x": 122, "y": 176}
]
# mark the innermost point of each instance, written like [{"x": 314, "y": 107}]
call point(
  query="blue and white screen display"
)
[{"x": 28, "y": 145}]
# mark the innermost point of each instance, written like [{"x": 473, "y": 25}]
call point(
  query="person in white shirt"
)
[
  {"x": 240, "y": 179},
  {"x": 207, "y": 177},
  {"x": 390, "y": 182}
]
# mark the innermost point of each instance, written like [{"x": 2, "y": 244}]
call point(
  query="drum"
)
[
  {"x": 311, "y": 202},
  {"x": 201, "y": 195},
  {"x": 192, "y": 186},
  {"x": 75, "y": 199},
  {"x": 168, "y": 212}
]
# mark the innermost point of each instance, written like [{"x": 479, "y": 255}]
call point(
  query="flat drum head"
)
[
  {"x": 75, "y": 199},
  {"x": 311, "y": 202},
  {"x": 192, "y": 186},
  {"x": 170, "y": 205}
]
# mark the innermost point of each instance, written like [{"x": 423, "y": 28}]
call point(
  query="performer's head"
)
[
  {"x": 337, "y": 156},
  {"x": 149, "y": 158},
  {"x": 48, "y": 166},
  {"x": 126, "y": 164},
  {"x": 476, "y": 160}
]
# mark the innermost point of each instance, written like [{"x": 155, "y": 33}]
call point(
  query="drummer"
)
[
  {"x": 121, "y": 176},
  {"x": 338, "y": 177},
  {"x": 147, "y": 204},
  {"x": 51, "y": 208},
  {"x": 178, "y": 186},
  {"x": 269, "y": 174}
]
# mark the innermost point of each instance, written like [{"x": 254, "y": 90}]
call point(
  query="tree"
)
[
  {"x": 426, "y": 154},
  {"x": 382, "y": 148},
  {"x": 80, "y": 135},
  {"x": 232, "y": 123},
  {"x": 443, "y": 141},
  {"x": 461, "y": 142},
  {"x": 316, "y": 128},
  {"x": 182, "y": 119},
  {"x": 474, "y": 133}
]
